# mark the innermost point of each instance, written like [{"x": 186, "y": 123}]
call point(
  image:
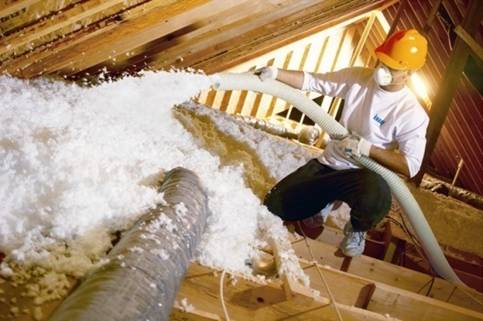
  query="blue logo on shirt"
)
[{"x": 379, "y": 120}]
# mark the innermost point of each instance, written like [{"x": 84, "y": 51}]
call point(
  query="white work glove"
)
[
  {"x": 265, "y": 73},
  {"x": 354, "y": 146}
]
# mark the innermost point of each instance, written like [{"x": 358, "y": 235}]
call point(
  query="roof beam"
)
[
  {"x": 15, "y": 65},
  {"x": 195, "y": 42},
  {"x": 48, "y": 26},
  {"x": 387, "y": 273},
  {"x": 250, "y": 300},
  {"x": 447, "y": 88},
  {"x": 476, "y": 49},
  {"x": 15, "y": 6},
  {"x": 128, "y": 36},
  {"x": 229, "y": 48},
  {"x": 208, "y": 25}
]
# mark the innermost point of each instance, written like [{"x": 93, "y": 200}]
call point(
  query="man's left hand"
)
[{"x": 354, "y": 146}]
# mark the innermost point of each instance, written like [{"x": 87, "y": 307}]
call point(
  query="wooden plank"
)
[
  {"x": 251, "y": 299},
  {"x": 203, "y": 294},
  {"x": 286, "y": 30},
  {"x": 45, "y": 27},
  {"x": 417, "y": 307},
  {"x": 231, "y": 31},
  {"x": 33, "y": 13},
  {"x": 432, "y": 14},
  {"x": 334, "y": 106},
  {"x": 201, "y": 289},
  {"x": 179, "y": 313},
  {"x": 448, "y": 86},
  {"x": 386, "y": 299},
  {"x": 75, "y": 41},
  {"x": 300, "y": 66},
  {"x": 267, "y": 30},
  {"x": 51, "y": 64},
  {"x": 15, "y": 65},
  {"x": 14, "y": 6},
  {"x": 259, "y": 99},
  {"x": 203, "y": 26},
  {"x": 386, "y": 273},
  {"x": 401, "y": 8},
  {"x": 476, "y": 49},
  {"x": 130, "y": 35}
]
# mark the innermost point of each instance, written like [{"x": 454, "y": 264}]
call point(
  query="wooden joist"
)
[
  {"x": 197, "y": 49},
  {"x": 180, "y": 312},
  {"x": 447, "y": 88},
  {"x": 201, "y": 290},
  {"x": 475, "y": 47},
  {"x": 182, "y": 34},
  {"x": 61, "y": 20},
  {"x": 12, "y": 7},
  {"x": 15, "y": 65},
  {"x": 128, "y": 36},
  {"x": 357, "y": 298},
  {"x": 387, "y": 273},
  {"x": 279, "y": 298},
  {"x": 231, "y": 26},
  {"x": 385, "y": 299},
  {"x": 287, "y": 25},
  {"x": 204, "y": 28}
]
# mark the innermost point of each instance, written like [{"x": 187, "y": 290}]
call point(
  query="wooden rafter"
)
[
  {"x": 475, "y": 47},
  {"x": 357, "y": 298},
  {"x": 128, "y": 36},
  {"x": 255, "y": 300},
  {"x": 45, "y": 27},
  {"x": 283, "y": 30},
  {"x": 448, "y": 86},
  {"x": 390, "y": 274},
  {"x": 16, "y": 64},
  {"x": 8, "y": 9},
  {"x": 207, "y": 26},
  {"x": 261, "y": 29},
  {"x": 220, "y": 48}
]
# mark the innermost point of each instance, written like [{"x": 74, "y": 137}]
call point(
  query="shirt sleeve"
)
[
  {"x": 334, "y": 84},
  {"x": 412, "y": 140}
]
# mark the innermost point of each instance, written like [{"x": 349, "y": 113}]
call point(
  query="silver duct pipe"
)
[
  {"x": 145, "y": 268},
  {"x": 248, "y": 81}
]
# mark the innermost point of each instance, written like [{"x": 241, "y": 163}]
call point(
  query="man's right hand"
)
[{"x": 265, "y": 73}]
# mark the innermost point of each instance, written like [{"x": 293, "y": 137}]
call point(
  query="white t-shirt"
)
[{"x": 388, "y": 120}]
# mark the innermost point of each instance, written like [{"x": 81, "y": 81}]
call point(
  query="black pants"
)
[{"x": 310, "y": 188}]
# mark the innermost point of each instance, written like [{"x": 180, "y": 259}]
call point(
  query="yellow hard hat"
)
[{"x": 403, "y": 50}]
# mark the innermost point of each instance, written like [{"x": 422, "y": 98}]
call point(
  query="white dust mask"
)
[{"x": 382, "y": 75}]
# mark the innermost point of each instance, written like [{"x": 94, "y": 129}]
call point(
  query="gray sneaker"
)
[{"x": 354, "y": 242}]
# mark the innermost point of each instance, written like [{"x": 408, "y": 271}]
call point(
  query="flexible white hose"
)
[{"x": 248, "y": 81}]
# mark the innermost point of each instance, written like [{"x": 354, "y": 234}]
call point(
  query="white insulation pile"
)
[{"x": 72, "y": 163}]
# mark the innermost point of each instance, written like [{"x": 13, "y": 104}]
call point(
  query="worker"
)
[{"x": 381, "y": 115}]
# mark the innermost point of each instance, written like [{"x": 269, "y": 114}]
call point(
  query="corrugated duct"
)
[{"x": 146, "y": 267}]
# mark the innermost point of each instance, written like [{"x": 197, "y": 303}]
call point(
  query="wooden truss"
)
[
  {"x": 386, "y": 291},
  {"x": 79, "y": 37}
]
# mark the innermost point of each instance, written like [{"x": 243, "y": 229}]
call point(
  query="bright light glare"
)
[{"x": 419, "y": 86}]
